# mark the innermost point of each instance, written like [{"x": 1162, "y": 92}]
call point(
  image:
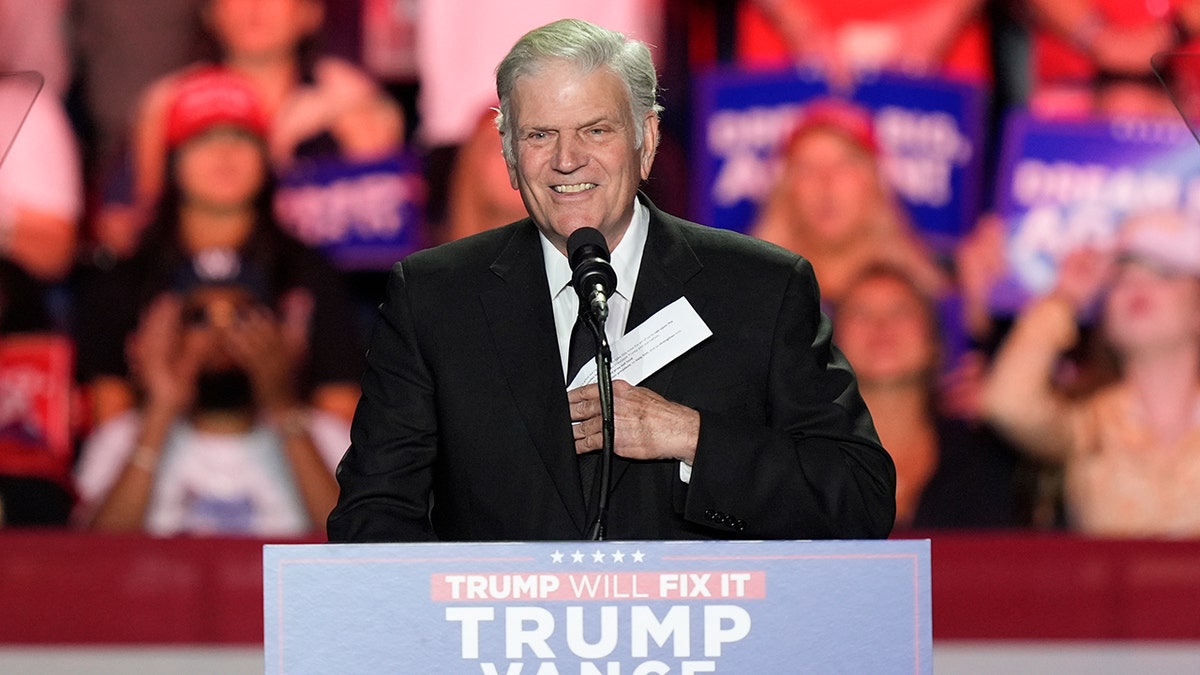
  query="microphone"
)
[
  {"x": 592, "y": 274},
  {"x": 594, "y": 280}
]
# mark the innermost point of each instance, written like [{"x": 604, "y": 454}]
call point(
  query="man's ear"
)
[
  {"x": 512, "y": 169},
  {"x": 649, "y": 142}
]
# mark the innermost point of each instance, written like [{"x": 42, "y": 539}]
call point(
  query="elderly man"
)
[{"x": 464, "y": 430}]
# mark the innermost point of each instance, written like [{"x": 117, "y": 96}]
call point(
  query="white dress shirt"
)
[{"x": 626, "y": 261}]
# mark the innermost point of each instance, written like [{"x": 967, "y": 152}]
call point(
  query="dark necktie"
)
[{"x": 582, "y": 349}]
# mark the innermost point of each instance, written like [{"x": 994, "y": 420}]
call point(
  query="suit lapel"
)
[
  {"x": 522, "y": 326},
  {"x": 668, "y": 263}
]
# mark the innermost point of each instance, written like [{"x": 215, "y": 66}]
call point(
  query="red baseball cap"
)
[
  {"x": 213, "y": 97},
  {"x": 845, "y": 118}
]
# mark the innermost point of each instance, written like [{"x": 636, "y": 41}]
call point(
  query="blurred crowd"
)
[{"x": 215, "y": 352}]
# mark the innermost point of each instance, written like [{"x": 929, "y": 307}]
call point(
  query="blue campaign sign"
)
[
  {"x": 930, "y": 132},
  {"x": 363, "y": 215},
  {"x": 740, "y": 119},
  {"x": 1066, "y": 184},
  {"x": 611, "y": 608}
]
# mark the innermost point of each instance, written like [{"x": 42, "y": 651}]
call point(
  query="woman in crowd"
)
[
  {"x": 317, "y": 105},
  {"x": 221, "y": 443},
  {"x": 949, "y": 472},
  {"x": 218, "y": 195},
  {"x": 832, "y": 205},
  {"x": 1130, "y": 449},
  {"x": 41, "y": 179}
]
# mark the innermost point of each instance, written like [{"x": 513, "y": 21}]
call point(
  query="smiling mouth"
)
[{"x": 572, "y": 189}]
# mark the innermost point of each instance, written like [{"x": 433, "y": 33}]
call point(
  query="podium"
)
[{"x": 599, "y": 608}]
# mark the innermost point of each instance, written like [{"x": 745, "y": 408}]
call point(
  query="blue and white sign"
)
[
  {"x": 740, "y": 119},
  {"x": 930, "y": 133},
  {"x": 363, "y": 215},
  {"x": 611, "y": 608},
  {"x": 1067, "y": 184}
]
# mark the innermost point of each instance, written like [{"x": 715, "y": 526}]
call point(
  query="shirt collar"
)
[{"x": 626, "y": 258}]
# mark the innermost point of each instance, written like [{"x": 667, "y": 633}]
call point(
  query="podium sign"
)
[{"x": 602, "y": 608}]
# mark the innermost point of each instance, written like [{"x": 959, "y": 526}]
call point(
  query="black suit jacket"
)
[{"x": 463, "y": 431}]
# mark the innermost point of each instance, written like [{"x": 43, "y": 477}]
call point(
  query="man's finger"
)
[{"x": 588, "y": 392}]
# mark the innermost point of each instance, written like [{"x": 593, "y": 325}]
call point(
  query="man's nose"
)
[{"x": 569, "y": 153}]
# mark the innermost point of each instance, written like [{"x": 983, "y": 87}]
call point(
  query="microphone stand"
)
[{"x": 604, "y": 380}]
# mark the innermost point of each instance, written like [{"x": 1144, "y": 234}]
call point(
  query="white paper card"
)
[{"x": 659, "y": 340}]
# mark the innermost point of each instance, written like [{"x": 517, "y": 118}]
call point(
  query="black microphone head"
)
[
  {"x": 587, "y": 251},
  {"x": 586, "y": 242}
]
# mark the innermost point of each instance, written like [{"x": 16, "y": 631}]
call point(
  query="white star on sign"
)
[
  {"x": 597, "y": 557},
  {"x": 576, "y": 557},
  {"x": 557, "y": 557},
  {"x": 638, "y": 556},
  {"x": 618, "y": 557}
]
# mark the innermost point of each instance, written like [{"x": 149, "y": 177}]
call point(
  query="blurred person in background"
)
[
  {"x": 41, "y": 193},
  {"x": 41, "y": 202},
  {"x": 925, "y": 37},
  {"x": 41, "y": 179},
  {"x": 950, "y": 472},
  {"x": 222, "y": 443},
  {"x": 480, "y": 196},
  {"x": 317, "y": 105},
  {"x": 832, "y": 205},
  {"x": 119, "y": 48},
  {"x": 1094, "y": 56},
  {"x": 1130, "y": 448},
  {"x": 33, "y": 37},
  {"x": 980, "y": 264},
  {"x": 218, "y": 194},
  {"x": 35, "y": 486}
]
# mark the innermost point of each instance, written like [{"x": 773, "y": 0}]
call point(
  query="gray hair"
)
[{"x": 587, "y": 46}]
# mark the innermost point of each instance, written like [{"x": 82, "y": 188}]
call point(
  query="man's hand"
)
[{"x": 646, "y": 425}]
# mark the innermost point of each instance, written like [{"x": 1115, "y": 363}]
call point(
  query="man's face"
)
[
  {"x": 576, "y": 160},
  {"x": 834, "y": 186}
]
